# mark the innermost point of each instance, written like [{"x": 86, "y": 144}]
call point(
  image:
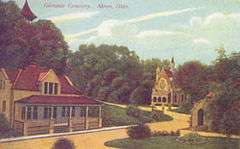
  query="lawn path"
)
[{"x": 96, "y": 140}]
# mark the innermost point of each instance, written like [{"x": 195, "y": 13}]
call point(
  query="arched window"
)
[
  {"x": 154, "y": 99},
  {"x": 164, "y": 99},
  {"x": 200, "y": 117},
  {"x": 159, "y": 99},
  {"x": 175, "y": 97},
  {"x": 182, "y": 97},
  {"x": 169, "y": 97}
]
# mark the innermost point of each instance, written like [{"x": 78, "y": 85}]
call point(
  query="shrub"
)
[
  {"x": 157, "y": 115},
  {"x": 192, "y": 138},
  {"x": 133, "y": 111},
  {"x": 139, "y": 132},
  {"x": 230, "y": 123},
  {"x": 63, "y": 144},
  {"x": 166, "y": 133},
  {"x": 5, "y": 128}
]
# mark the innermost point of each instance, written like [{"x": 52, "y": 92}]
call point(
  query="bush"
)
[
  {"x": 139, "y": 132},
  {"x": 166, "y": 133},
  {"x": 192, "y": 138},
  {"x": 133, "y": 111},
  {"x": 157, "y": 115},
  {"x": 63, "y": 144},
  {"x": 5, "y": 128}
]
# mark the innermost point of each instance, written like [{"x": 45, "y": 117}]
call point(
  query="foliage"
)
[
  {"x": 117, "y": 116},
  {"x": 26, "y": 42},
  {"x": 230, "y": 123},
  {"x": 133, "y": 111},
  {"x": 170, "y": 142},
  {"x": 63, "y": 144},
  {"x": 192, "y": 138},
  {"x": 139, "y": 132},
  {"x": 166, "y": 133},
  {"x": 5, "y": 128}
]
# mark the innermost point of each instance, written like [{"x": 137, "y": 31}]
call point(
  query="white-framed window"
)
[
  {"x": 4, "y": 105},
  {"x": 2, "y": 84},
  {"x": 51, "y": 88}
]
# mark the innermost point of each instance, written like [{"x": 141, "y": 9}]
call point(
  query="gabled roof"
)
[
  {"x": 58, "y": 100},
  {"x": 30, "y": 77},
  {"x": 27, "y": 12},
  {"x": 12, "y": 74}
]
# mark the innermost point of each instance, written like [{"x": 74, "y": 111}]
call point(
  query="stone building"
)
[
  {"x": 199, "y": 117},
  {"x": 166, "y": 90}
]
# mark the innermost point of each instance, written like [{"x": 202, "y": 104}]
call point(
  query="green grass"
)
[
  {"x": 117, "y": 116},
  {"x": 169, "y": 142}
]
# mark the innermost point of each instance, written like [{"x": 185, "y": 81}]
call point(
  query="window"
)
[
  {"x": 73, "y": 111},
  {"x": 82, "y": 111},
  {"x": 4, "y": 106},
  {"x": 45, "y": 87},
  {"x": 49, "y": 112},
  {"x": 2, "y": 84},
  {"x": 55, "y": 88},
  {"x": 23, "y": 112},
  {"x": 51, "y": 88},
  {"x": 63, "y": 111},
  {"x": 45, "y": 114},
  {"x": 68, "y": 111},
  {"x": 29, "y": 112},
  {"x": 55, "y": 112},
  {"x": 35, "y": 112}
]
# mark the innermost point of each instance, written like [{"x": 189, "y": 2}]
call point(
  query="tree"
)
[
  {"x": 192, "y": 77},
  {"x": 23, "y": 42}
]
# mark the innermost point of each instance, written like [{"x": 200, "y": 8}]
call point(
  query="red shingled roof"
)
[
  {"x": 39, "y": 99},
  {"x": 12, "y": 74},
  {"x": 29, "y": 77},
  {"x": 27, "y": 12}
]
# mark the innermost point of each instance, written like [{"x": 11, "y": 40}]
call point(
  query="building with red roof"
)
[
  {"x": 27, "y": 12},
  {"x": 37, "y": 100},
  {"x": 166, "y": 90}
]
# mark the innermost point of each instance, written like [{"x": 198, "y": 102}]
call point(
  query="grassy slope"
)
[
  {"x": 117, "y": 116},
  {"x": 167, "y": 142}
]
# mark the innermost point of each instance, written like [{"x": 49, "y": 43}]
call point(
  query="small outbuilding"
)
[{"x": 198, "y": 114}]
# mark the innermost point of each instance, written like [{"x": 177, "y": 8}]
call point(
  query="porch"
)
[{"x": 31, "y": 119}]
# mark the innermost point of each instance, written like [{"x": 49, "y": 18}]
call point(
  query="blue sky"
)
[{"x": 185, "y": 29}]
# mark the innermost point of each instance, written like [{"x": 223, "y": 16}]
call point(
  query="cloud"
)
[
  {"x": 124, "y": 27},
  {"x": 72, "y": 16},
  {"x": 158, "y": 33},
  {"x": 160, "y": 14},
  {"x": 201, "y": 41}
]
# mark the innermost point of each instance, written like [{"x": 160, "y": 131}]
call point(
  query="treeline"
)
[{"x": 113, "y": 73}]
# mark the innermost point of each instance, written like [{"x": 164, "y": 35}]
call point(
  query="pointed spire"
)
[
  {"x": 27, "y": 12},
  {"x": 173, "y": 61}
]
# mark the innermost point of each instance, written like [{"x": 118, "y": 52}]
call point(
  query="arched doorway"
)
[{"x": 200, "y": 117}]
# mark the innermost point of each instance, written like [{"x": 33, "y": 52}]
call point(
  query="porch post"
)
[
  {"x": 100, "y": 117},
  {"x": 51, "y": 121},
  {"x": 25, "y": 124},
  {"x": 70, "y": 120},
  {"x": 86, "y": 117}
]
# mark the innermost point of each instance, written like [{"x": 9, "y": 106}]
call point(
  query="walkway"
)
[{"x": 96, "y": 140}]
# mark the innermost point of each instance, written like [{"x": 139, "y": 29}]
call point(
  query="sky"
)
[{"x": 183, "y": 29}]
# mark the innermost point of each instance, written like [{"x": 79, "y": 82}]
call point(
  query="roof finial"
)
[{"x": 27, "y": 12}]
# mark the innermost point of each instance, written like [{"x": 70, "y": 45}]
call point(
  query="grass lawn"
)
[
  {"x": 169, "y": 142},
  {"x": 117, "y": 116}
]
